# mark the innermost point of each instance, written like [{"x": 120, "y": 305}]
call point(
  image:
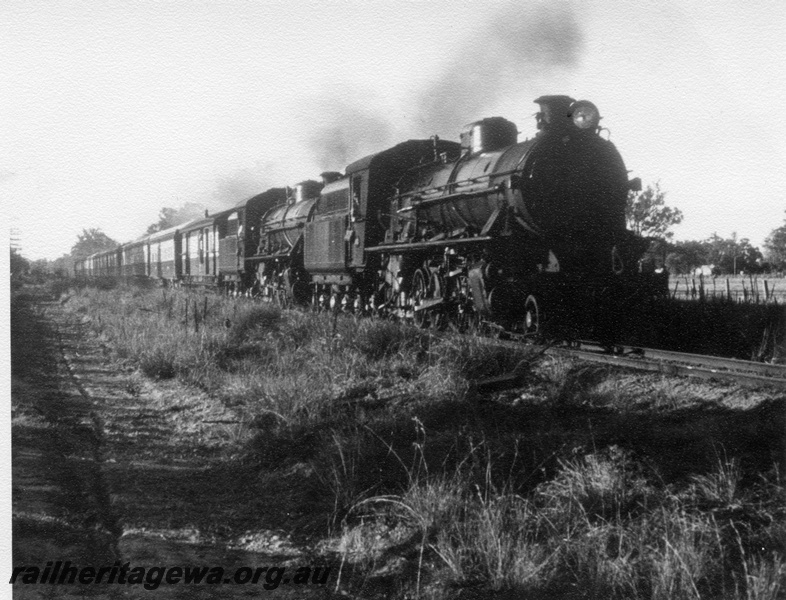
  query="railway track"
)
[{"x": 743, "y": 372}]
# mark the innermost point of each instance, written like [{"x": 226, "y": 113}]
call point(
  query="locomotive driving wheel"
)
[
  {"x": 381, "y": 302},
  {"x": 465, "y": 316},
  {"x": 532, "y": 317},
  {"x": 280, "y": 298},
  {"x": 418, "y": 293},
  {"x": 437, "y": 316}
]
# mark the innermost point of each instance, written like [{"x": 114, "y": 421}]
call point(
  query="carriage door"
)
[
  {"x": 186, "y": 253},
  {"x": 208, "y": 237},
  {"x": 214, "y": 246},
  {"x": 208, "y": 251},
  {"x": 204, "y": 252},
  {"x": 148, "y": 258}
]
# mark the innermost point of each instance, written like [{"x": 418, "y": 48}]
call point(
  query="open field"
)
[{"x": 586, "y": 482}]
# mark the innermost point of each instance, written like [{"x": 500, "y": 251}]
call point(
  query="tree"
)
[
  {"x": 91, "y": 241},
  {"x": 732, "y": 255},
  {"x": 646, "y": 213},
  {"x": 775, "y": 247},
  {"x": 63, "y": 266},
  {"x": 686, "y": 256},
  {"x": 170, "y": 217},
  {"x": 19, "y": 264}
]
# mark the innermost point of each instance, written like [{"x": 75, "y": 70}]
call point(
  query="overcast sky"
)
[{"x": 112, "y": 110}]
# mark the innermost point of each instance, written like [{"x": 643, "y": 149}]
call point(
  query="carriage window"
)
[
  {"x": 232, "y": 227},
  {"x": 334, "y": 201}
]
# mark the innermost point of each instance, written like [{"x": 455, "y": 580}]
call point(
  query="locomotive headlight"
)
[{"x": 585, "y": 115}]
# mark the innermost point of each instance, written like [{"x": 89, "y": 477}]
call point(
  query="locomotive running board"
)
[{"x": 427, "y": 245}]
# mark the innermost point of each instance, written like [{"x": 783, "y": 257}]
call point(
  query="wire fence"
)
[{"x": 746, "y": 289}]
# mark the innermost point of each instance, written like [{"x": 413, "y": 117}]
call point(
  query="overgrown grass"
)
[
  {"x": 429, "y": 487},
  {"x": 290, "y": 363},
  {"x": 601, "y": 528}
]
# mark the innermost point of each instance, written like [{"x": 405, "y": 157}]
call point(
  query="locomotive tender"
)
[{"x": 528, "y": 235}]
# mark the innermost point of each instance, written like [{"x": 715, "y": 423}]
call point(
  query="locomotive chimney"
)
[
  {"x": 330, "y": 176},
  {"x": 307, "y": 189}
]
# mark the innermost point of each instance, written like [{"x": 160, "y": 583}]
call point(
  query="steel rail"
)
[
  {"x": 718, "y": 362},
  {"x": 703, "y": 360},
  {"x": 746, "y": 373},
  {"x": 674, "y": 365}
]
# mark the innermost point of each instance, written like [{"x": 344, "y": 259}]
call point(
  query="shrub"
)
[{"x": 378, "y": 339}]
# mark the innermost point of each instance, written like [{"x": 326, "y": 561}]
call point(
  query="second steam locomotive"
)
[{"x": 528, "y": 236}]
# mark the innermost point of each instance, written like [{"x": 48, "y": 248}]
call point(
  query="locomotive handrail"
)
[
  {"x": 408, "y": 246},
  {"x": 277, "y": 229},
  {"x": 459, "y": 195},
  {"x": 268, "y": 256},
  {"x": 465, "y": 181}
]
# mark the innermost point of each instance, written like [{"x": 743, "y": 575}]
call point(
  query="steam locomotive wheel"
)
[
  {"x": 301, "y": 293},
  {"x": 437, "y": 317},
  {"x": 383, "y": 301},
  {"x": 532, "y": 317},
  {"x": 281, "y": 299},
  {"x": 335, "y": 302},
  {"x": 419, "y": 292},
  {"x": 465, "y": 316}
]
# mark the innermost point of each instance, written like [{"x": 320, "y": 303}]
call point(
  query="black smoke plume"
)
[
  {"x": 242, "y": 184},
  {"x": 343, "y": 131},
  {"x": 510, "y": 52}
]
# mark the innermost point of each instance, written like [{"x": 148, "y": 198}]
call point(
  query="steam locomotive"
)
[{"x": 527, "y": 236}]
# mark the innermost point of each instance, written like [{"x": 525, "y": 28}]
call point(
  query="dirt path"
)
[{"x": 109, "y": 467}]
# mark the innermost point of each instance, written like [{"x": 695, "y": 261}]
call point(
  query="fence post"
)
[
  {"x": 196, "y": 317},
  {"x": 728, "y": 289}
]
